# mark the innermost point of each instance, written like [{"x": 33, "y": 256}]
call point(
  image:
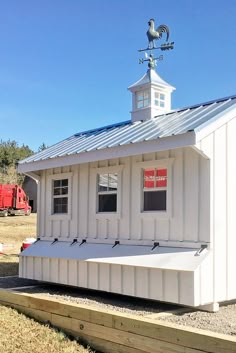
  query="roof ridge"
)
[{"x": 106, "y": 127}]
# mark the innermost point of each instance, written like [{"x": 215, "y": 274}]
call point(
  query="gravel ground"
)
[
  {"x": 102, "y": 300},
  {"x": 224, "y": 321}
]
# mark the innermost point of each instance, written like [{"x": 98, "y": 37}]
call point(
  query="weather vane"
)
[{"x": 153, "y": 35}]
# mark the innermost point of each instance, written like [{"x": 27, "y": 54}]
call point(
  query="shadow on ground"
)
[{"x": 8, "y": 268}]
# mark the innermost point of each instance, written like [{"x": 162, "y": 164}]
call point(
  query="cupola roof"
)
[{"x": 151, "y": 76}]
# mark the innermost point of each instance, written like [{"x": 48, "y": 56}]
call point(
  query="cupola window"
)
[
  {"x": 142, "y": 99},
  {"x": 159, "y": 99}
]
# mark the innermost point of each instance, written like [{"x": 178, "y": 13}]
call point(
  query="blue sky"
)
[{"x": 65, "y": 65}]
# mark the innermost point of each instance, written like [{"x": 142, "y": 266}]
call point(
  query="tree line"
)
[{"x": 10, "y": 154}]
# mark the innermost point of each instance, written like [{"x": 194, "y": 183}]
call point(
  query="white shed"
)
[{"x": 145, "y": 207}]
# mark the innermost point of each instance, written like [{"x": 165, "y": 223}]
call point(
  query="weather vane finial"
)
[{"x": 153, "y": 35}]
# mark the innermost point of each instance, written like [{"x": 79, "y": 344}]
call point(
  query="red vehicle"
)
[{"x": 13, "y": 201}]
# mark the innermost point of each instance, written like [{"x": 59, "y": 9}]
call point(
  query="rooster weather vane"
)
[{"x": 154, "y": 35}]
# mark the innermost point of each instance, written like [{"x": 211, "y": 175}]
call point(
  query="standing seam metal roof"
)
[{"x": 127, "y": 132}]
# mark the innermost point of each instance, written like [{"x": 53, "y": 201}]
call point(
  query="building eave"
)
[{"x": 131, "y": 149}]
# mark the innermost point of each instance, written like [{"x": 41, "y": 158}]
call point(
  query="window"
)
[
  {"x": 107, "y": 192},
  {"x": 155, "y": 189},
  {"x": 142, "y": 99},
  {"x": 159, "y": 99},
  {"x": 60, "y": 196}
]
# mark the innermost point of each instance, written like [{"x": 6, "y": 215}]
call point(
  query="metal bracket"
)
[
  {"x": 54, "y": 241},
  {"x": 203, "y": 247},
  {"x": 74, "y": 242},
  {"x": 116, "y": 243},
  {"x": 155, "y": 244},
  {"x": 82, "y": 242}
]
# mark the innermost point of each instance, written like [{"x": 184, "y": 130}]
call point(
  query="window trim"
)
[
  {"x": 59, "y": 196},
  {"x": 51, "y": 178},
  {"x": 154, "y": 188},
  {"x": 108, "y": 170},
  {"x": 160, "y": 163},
  {"x": 159, "y": 100},
  {"x": 107, "y": 192},
  {"x": 143, "y": 99}
]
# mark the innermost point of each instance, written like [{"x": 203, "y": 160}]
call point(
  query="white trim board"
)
[
  {"x": 178, "y": 259},
  {"x": 160, "y": 144}
]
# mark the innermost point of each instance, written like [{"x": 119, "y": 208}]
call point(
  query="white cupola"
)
[{"x": 151, "y": 96}]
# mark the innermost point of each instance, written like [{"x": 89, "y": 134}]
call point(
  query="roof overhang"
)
[
  {"x": 131, "y": 149},
  {"x": 166, "y": 258}
]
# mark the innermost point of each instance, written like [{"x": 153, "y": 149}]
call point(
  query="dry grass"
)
[
  {"x": 13, "y": 230},
  {"x": 19, "y": 334}
]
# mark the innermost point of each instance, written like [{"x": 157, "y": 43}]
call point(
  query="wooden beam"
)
[{"x": 125, "y": 330}]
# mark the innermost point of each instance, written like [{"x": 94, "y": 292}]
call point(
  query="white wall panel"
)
[
  {"x": 29, "y": 265},
  {"x": 231, "y": 210},
  {"x": 126, "y": 206},
  {"x": 63, "y": 271},
  {"x": 204, "y": 198},
  {"x": 42, "y": 208},
  {"x": 82, "y": 273},
  {"x": 148, "y": 229},
  {"x": 92, "y": 202},
  {"x": 116, "y": 279},
  {"x": 93, "y": 275},
  {"x": 191, "y": 192},
  {"x": 48, "y": 227},
  {"x": 38, "y": 268},
  {"x": 162, "y": 229},
  {"x": 128, "y": 280},
  {"x": 83, "y": 201},
  {"x": 56, "y": 229},
  {"x": 142, "y": 282},
  {"x": 156, "y": 284},
  {"x": 54, "y": 275},
  {"x": 206, "y": 285},
  {"x": 102, "y": 228},
  {"x": 135, "y": 188},
  {"x": 74, "y": 222},
  {"x": 72, "y": 273},
  {"x": 220, "y": 210},
  {"x": 65, "y": 228},
  {"x": 171, "y": 286},
  {"x": 178, "y": 182},
  {"x": 113, "y": 229},
  {"x": 46, "y": 269},
  {"x": 187, "y": 284},
  {"x": 104, "y": 277},
  {"x": 188, "y": 219}
]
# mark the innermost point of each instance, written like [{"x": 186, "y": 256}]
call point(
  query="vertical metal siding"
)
[
  {"x": 164, "y": 285},
  {"x": 189, "y": 203}
]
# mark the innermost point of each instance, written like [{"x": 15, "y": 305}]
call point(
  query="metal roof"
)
[
  {"x": 125, "y": 133},
  {"x": 151, "y": 76}
]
